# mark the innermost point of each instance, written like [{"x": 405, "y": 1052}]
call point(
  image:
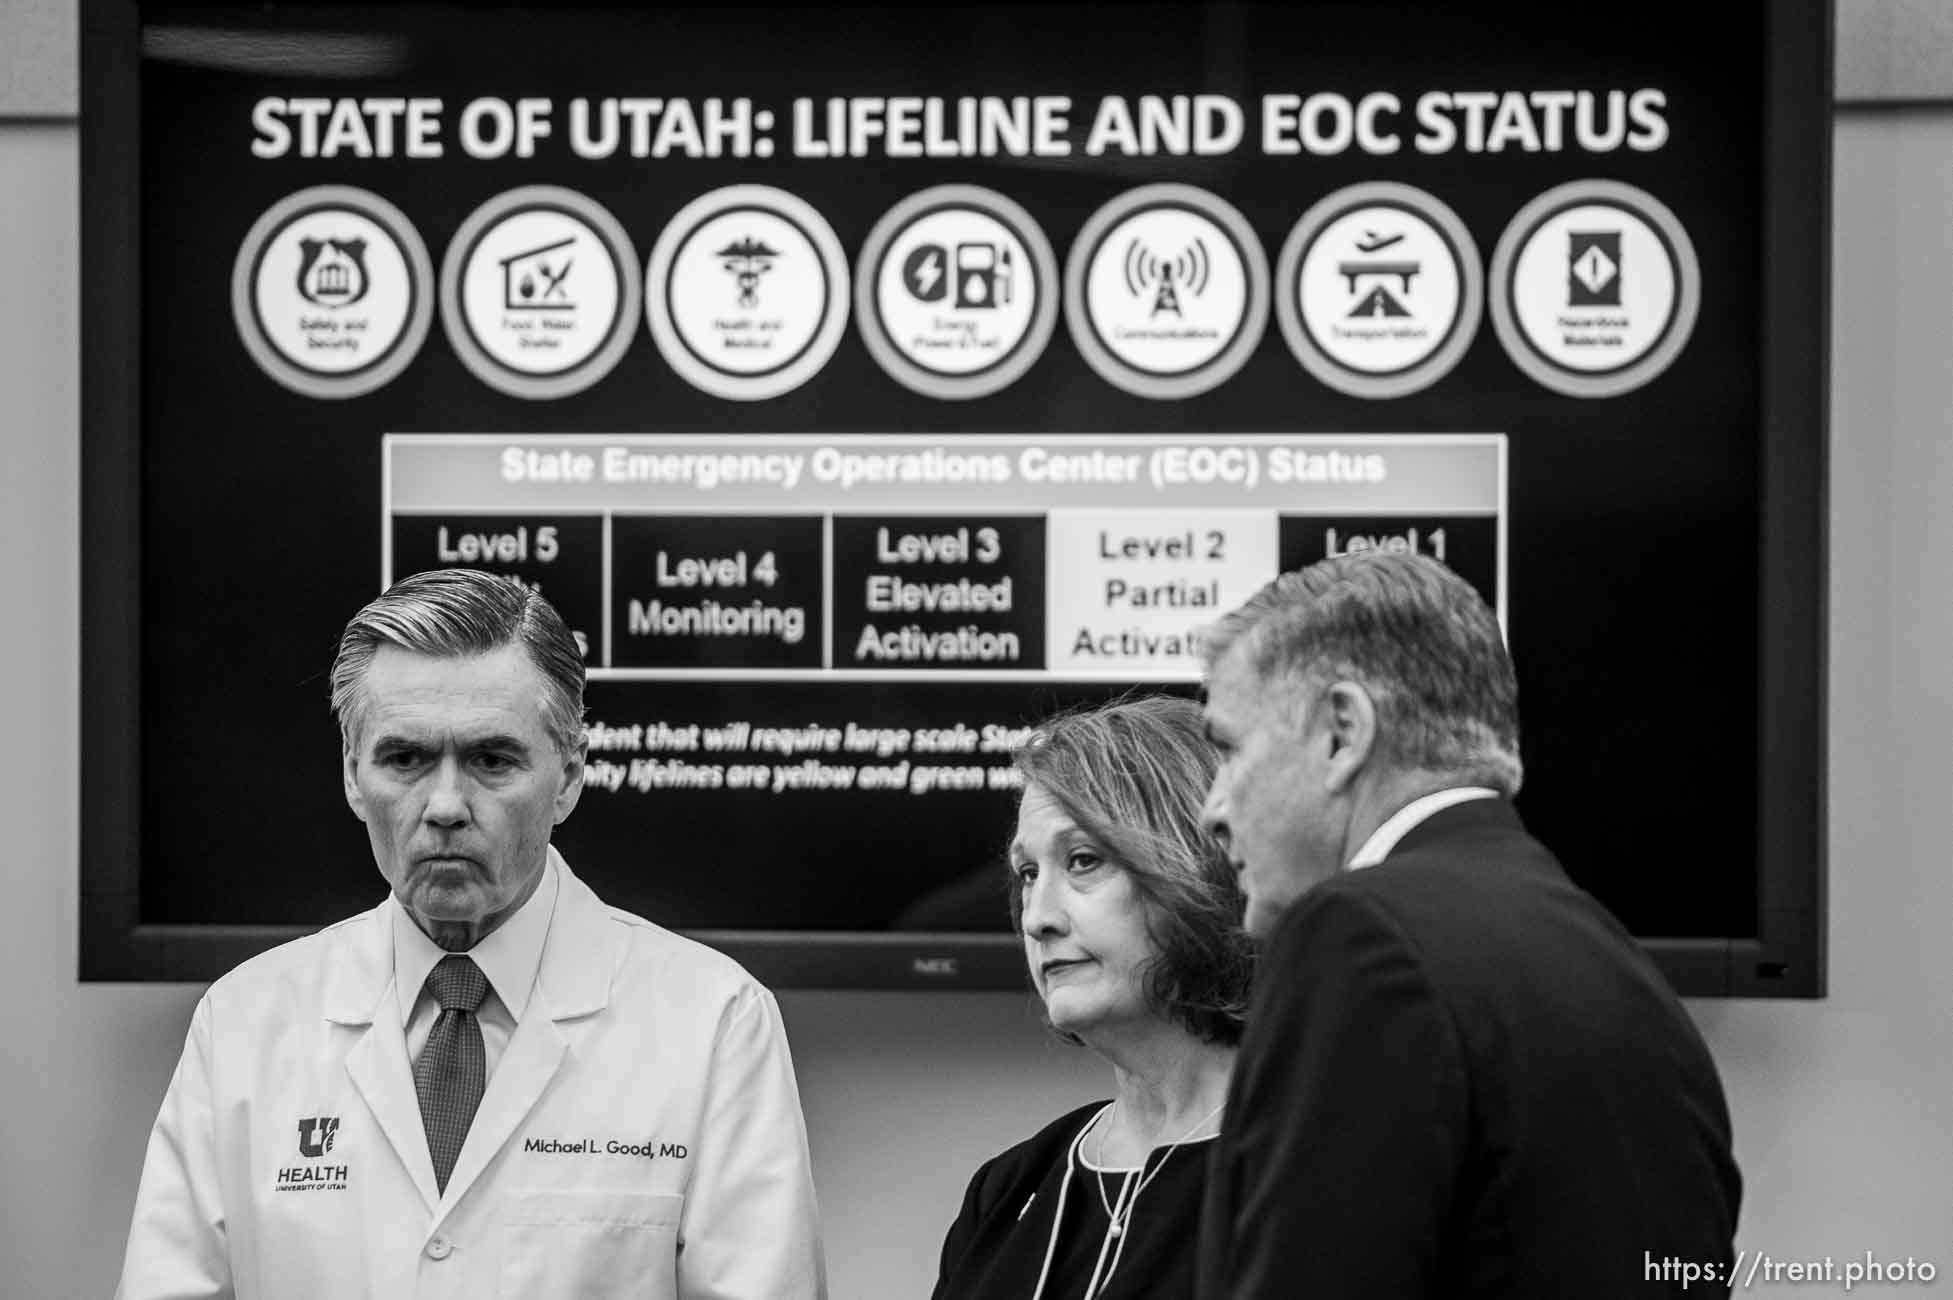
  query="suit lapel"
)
[
  {"x": 534, "y": 1052},
  {"x": 572, "y": 981},
  {"x": 380, "y": 1070},
  {"x": 360, "y": 993}
]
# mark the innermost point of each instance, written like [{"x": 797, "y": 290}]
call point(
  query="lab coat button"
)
[{"x": 439, "y": 1248}]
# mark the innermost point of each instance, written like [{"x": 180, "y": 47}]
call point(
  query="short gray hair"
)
[
  {"x": 457, "y": 613},
  {"x": 1413, "y": 634}
]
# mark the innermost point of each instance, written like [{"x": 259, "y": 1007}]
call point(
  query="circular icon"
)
[
  {"x": 1166, "y": 291},
  {"x": 1380, "y": 290},
  {"x": 1595, "y": 288},
  {"x": 956, "y": 292},
  {"x": 539, "y": 292},
  {"x": 330, "y": 291},
  {"x": 746, "y": 292},
  {"x": 922, "y": 273}
]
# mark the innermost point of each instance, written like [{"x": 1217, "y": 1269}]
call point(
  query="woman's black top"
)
[{"x": 996, "y": 1248}]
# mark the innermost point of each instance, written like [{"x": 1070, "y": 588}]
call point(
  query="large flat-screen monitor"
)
[{"x": 865, "y": 382}]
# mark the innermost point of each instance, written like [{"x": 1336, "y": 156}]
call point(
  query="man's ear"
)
[
  {"x": 1349, "y": 717},
  {"x": 349, "y": 773},
  {"x": 572, "y": 788}
]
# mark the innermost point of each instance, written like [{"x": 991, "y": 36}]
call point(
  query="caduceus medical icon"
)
[{"x": 747, "y": 259}]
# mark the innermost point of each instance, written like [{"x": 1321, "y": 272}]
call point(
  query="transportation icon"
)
[{"x": 1379, "y": 301}]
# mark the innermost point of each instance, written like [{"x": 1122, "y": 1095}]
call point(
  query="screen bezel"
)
[{"x": 1785, "y": 959}]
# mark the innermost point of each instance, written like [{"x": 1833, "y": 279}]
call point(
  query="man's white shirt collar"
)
[
  {"x": 1384, "y": 838},
  {"x": 510, "y": 956}
]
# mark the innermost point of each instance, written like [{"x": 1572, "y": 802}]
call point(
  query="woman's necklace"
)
[
  {"x": 1114, "y": 1244},
  {"x": 1120, "y": 1214}
]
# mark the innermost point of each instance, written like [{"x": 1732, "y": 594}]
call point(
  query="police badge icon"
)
[
  {"x": 332, "y": 272},
  {"x": 332, "y": 292}
]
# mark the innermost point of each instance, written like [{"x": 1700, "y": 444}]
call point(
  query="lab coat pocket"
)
[{"x": 562, "y": 1245}]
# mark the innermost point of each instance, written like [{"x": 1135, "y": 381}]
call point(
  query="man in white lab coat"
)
[{"x": 491, "y": 1084}]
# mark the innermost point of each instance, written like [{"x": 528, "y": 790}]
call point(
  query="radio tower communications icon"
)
[{"x": 1145, "y": 270}]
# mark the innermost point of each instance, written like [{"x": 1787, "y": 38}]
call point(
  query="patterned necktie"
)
[{"x": 453, "y": 1066}]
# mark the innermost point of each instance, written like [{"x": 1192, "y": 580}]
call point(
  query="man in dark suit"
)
[{"x": 1461, "y": 1076}]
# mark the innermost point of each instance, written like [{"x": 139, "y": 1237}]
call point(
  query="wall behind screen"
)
[{"x": 1839, "y": 1105}]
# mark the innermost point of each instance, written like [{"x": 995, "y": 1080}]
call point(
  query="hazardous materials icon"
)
[
  {"x": 1567, "y": 311},
  {"x": 1593, "y": 268}
]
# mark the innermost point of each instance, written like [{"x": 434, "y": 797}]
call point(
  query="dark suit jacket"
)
[{"x": 1462, "y": 1078}]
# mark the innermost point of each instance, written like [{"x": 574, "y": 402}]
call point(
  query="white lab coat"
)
[{"x": 641, "y": 1136}]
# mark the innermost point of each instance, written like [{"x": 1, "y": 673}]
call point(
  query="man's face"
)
[
  {"x": 1270, "y": 804},
  {"x": 459, "y": 784}
]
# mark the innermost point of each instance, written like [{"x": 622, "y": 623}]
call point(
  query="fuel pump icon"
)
[{"x": 983, "y": 276}]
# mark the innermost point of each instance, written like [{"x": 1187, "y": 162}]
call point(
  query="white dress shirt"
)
[
  {"x": 509, "y": 957},
  {"x": 1384, "y": 838}
]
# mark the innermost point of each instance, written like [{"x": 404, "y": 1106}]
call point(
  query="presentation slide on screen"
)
[
  {"x": 862, "y": 397},
  {"x": 790, "y": 558},
  {"x": 981, "y": 558}
]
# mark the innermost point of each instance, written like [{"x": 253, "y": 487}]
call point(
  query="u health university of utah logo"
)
[{"x": 315, "y": 1136}]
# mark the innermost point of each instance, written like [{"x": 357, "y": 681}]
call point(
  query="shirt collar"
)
[
  {"x": 1384, "y": 838},
  {"x": 509, "y": 957}
]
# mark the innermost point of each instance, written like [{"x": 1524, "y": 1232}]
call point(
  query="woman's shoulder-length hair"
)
[{"x": 1134, "y": 774}]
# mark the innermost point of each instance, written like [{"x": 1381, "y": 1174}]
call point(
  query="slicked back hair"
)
[
  {"x": 455, "y": 614},
  {"x": 1413, "y": 634},
  {"x": 1133, "y": 774}
]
